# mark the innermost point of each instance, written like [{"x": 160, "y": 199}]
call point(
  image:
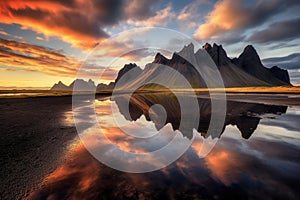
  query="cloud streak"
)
[
  {"x": 230, "y": 15},
  {"x": 81, "y": 23},
  {"x": 67, "y": 20},
  {"x": 279, "y": 31},
  {"x": 33, "y": 58}
]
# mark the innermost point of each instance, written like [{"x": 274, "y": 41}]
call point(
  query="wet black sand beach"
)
[{"x": 34, "y": 136}]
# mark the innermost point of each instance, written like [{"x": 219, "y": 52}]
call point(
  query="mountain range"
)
[
  {"x": 244, "y": 71},
  {"x": 82, "y": 85}
]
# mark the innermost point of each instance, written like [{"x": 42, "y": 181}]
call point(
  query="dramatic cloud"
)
[
  {"x": 27, "y": 57},
  {"x": 231, "y": 37},
  {"x": 229, "y": 15},
  {"x": 189, "y": 13},
  {"x": 279, "y": 31},
  {"x": 76, "y": 22},
  {"x": 140, "y": 9},
  {"x": 162, "y": 18},
  {"x": 287, "y": 62},
  {"x": 81, "y": 23},
  {"x": 35, "y": 58}
]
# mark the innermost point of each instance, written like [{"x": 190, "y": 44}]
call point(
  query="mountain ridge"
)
[{"x": 246, "y": 70}]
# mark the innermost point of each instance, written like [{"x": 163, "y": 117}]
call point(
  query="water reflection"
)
[
  {"x": 263, "y": 167},
  {"x": 246, "y": 116}
]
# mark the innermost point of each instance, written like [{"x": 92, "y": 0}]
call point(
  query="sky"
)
[{"x": 45, "y": 41}]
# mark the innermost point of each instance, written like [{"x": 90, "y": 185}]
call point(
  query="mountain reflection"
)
[{"x": 246, "y": 116}]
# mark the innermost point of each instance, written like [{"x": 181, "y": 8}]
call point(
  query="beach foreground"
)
[{"x": 39, "y": 159}]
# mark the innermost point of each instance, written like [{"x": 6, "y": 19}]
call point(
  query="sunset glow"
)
[{"x": 42, "y": 42}]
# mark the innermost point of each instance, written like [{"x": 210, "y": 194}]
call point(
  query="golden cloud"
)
[
  {"x": 227, "y": 15},
  {"x": 23, "y": 56}
]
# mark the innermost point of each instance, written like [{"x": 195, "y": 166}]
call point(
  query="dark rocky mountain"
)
[
  {"x": 79, "y": 83},
  {"x": 281, "y": 74},
  {"x": 251, "y": 63},
  {"x": 126, "y": 69},
  {"x": 246, "y": 70}
]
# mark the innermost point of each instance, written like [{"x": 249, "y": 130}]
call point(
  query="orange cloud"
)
[
  {"x": 76, "y": 22},
  {"x": 227, "y": 15},
  {"x": 36, "y": 58},
  {"x": 23, "y": 56}
]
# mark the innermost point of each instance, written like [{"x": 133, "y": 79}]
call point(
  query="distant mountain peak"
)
[
  {"x": 80, "y": 85},
  {"x": 59, "y": 86}
]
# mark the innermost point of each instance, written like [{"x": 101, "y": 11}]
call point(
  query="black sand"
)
[{"x": 34, "y": 137}]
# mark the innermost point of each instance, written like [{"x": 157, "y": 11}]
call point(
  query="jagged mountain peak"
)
[
  {"x": 127, "y": 68},
  {"x": 217, "y": 53},
  {"x": 250, "y": 53},
  {"x": 80, "y": 85},
  {"x": 206, "y": 46},
  {"x": 159, "y": 58},
  {"x": 249, "y": 48},
  {"x": 59, "y": 86},
  {"x": 247, "y": 70},
  {"x": 186, "y": 54},
  {"x": 187, "y": 50}
]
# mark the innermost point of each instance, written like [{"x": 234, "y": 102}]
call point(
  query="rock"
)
[
  {"x": 281, "y": 74},
  {"x": 250, "y": 62}
]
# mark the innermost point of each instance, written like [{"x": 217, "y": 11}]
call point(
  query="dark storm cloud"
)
[
  {"x": 291, "y": 61},
  {"x": 81, "y": 23},
  {"x": 140, "y": 9},
  {"x": 279, "y": 31}
]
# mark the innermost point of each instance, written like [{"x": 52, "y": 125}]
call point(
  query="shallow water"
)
[
  {"x": 21, "y": 94},
  {"x": 255, "y": 155}
]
